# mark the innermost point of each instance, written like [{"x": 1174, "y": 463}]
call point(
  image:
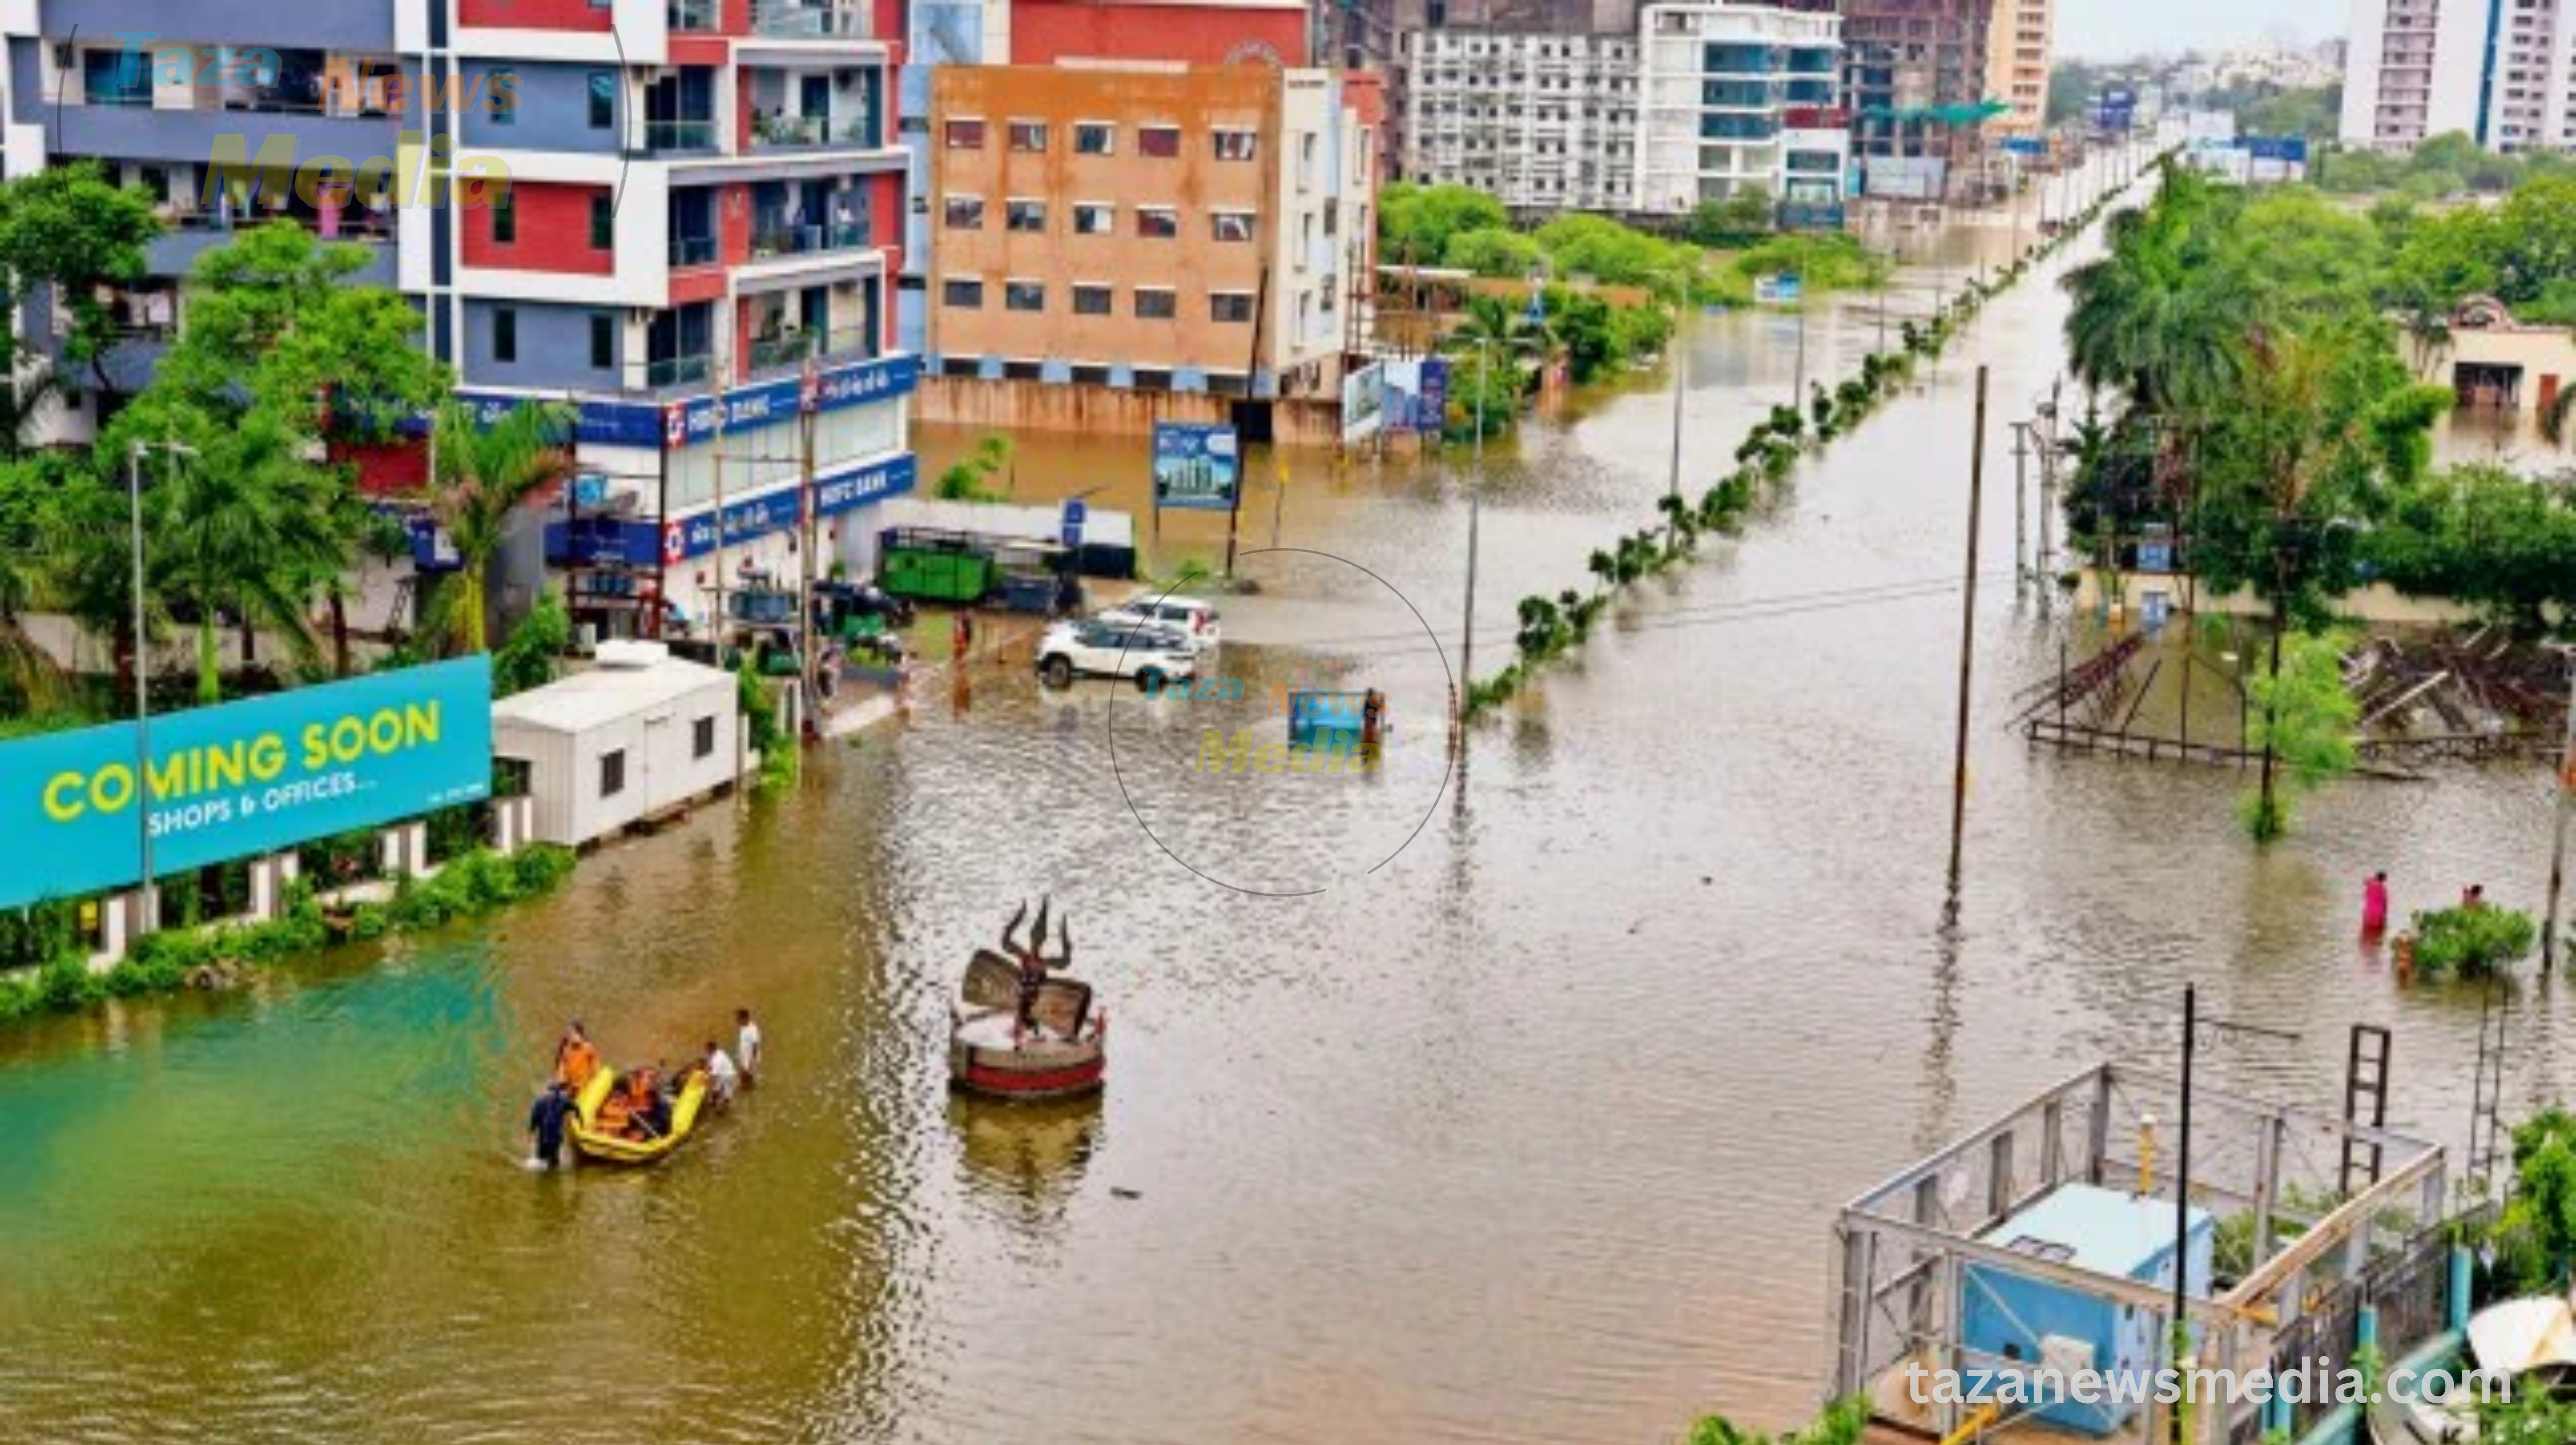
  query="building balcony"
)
[
  {"x": 694, "y": 17},
  {"x": 677, "y": 137},
  {"x": 333, "y": 26},
  {"x": 267, "y": 134},
  {"x": 193, "y": 234},
  {"x": 785, "y": 353},
  {"x": 787, "y": 20},
  {"x": 667, "y": 373},
  {"x": 808, "y": 240}
]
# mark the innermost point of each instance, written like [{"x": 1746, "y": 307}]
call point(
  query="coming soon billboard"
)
[{"x": 242, "y": 778}]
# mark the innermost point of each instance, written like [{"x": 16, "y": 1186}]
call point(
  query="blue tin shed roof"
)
[{"x": 2102, "y": 1230}]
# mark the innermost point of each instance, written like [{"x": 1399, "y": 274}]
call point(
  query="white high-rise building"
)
[
  {"x": 2428, "y": 68},
  {"x": 1541, "y": 120},
  {"x": 1741, "y": 97},
  {"x": 2527, "y": 92}
]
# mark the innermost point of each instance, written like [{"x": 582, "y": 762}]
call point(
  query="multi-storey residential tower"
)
[
  {"x": 1741, "y": 96},
  {"x": 1189, "y": 228},
  {"x": 2417, "y": 69},
  {"x": 1538, "y": 119},
  {"x": 1906, "y": 62},
  {"x": 689, "y": 226},
  {"x": 2020, "y": 48}
]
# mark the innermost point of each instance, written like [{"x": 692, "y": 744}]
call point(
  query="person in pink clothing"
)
[{"x": 2374, "y": 905}]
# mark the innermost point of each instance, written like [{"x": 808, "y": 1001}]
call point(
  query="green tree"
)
[
  {"x": 1416, "y": 222},
  {"x": 1494, "y": 251},
  {"x": 237, "y": 532},
  {"x": 284, "y": 353},
  {"x": 2303, "y": 715},
  {"x": 1740, "y": 220},
  {"x": 970, "y": 479},
  {"x": 484, "y": 474},
  {"x": 532, "y": 656},
  {"x": 2537, "y": 1231},
  {"x": 69, "y": 231},
  {"x": 2483, "y": 535},
  {"x": 2161, "y": 317},
  {"x": 2471, "y": 943}
]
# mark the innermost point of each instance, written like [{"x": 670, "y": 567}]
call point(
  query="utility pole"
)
[
  {"x": 2566, "y": 805},
  {"x": 2182, "y": 1205},
  {"x": 1681, "y": 390},
  {"x": 1968, "y": 631},
  {"x": 1475, "y": 504},
  {"x": 146, "y": 896},
  {"x": 2021, "y": 507},
  {"x": 1798, "y": 397},
  {"x": 806, "y": 632}
]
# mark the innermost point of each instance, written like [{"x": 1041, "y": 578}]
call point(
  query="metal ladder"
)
[
  {"x": 2365, "y": 1102},
  {"x": 2486, "y": 1128}
]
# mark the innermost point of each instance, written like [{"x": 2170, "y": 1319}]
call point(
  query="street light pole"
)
[
  {"x": 147, "y": 910},
  {"x": 2566, "y": 805},
  {"x": 147, "y": 913},
  {"x": 1475, "y": 504}
]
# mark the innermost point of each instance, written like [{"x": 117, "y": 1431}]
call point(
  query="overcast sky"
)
[{"x": 2094, "y": 29}]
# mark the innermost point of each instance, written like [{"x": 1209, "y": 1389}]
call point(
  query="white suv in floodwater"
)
[
  {"x": 1151, "y": 654},
  {"x": 1193, "y": 617}
]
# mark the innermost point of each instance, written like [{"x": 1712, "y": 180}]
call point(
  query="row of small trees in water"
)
[{"x": 1551, "y": 628}]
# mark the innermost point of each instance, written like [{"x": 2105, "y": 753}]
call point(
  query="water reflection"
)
[{"x": 1026, "y": 1161}]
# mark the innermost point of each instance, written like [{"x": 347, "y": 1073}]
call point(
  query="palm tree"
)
[
  {"x": 484, "y": 474},
  {"x": 236, "y": 527}
]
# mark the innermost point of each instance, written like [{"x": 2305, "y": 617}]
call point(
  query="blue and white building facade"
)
[{"x": 1738, "y": 97}]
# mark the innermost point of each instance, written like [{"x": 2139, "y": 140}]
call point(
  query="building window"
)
[
  {"x": 1092, "y": 218},
  {"x": 603, "y": 223},
  {"x": 603, "y": 343},
  {"x": 1159, "y": 141},
  {"x": 1229, "y": 306},
  {"x": 503, "y": 87},
  {"x": 603, "y": 99},
  {"x": 702, "y": 737},
  {"x": 1236, "y": 145},
  {"x": 1231, "y": 225},
  {"x": 965, "y": 135},
  {"x": 1024, "y": 215},
  {"x": 1157, "y": 303},
  {"x": 961, "y": 295},
  {"x": 1158, "y": 223},
  {"x": 1023, "y": 296},
  {"x": 505, "y": 215},
  {"x": 1094, "y": 138},
  {"x": 963, "y": 213},
  {"x": 1028, "y": 135},
  {"x": 505, "y": 334},
  {"x": 612, "y": 773},
  {"x": 1090, "y": 300}
]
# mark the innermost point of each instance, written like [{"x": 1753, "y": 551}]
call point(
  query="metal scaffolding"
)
[{"x": 2289, "y": 1243}]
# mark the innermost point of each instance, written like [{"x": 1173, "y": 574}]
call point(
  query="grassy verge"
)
[{"x": 472, "y": 885}]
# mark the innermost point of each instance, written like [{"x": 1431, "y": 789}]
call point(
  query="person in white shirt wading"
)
[{"x": 746, "y": 1046}]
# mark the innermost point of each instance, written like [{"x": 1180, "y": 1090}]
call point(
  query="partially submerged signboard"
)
[{"x": 243, "y": 778}]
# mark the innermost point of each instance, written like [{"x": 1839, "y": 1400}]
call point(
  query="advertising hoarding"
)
[
  {"x": 1196, "y": 465},
  {"x": 1417, "y": 396},
  {"x": 242, "y": 778},
  {"x": 1363, "y": 402}
]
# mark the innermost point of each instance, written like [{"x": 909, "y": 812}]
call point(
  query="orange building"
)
[{"x": 1149, "y": 226}]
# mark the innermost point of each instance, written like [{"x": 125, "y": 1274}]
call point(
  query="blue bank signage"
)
[
  {"x": 668, "y": 426},
  {"x": 243, "y": 778}
]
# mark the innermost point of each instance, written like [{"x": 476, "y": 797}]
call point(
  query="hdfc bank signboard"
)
[{"x": 669, "y": 426}]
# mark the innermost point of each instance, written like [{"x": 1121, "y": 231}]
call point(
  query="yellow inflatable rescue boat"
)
[{"x": 616, "y": 1148}]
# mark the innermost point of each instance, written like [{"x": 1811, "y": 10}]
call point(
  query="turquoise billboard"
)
[{"x": 242, "y": 778}]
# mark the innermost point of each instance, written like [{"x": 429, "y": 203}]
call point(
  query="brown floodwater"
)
[{"x": 1510, "y": 1103}]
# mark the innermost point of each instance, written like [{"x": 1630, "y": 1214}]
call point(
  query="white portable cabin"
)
[{"x": 638, "y": 735}]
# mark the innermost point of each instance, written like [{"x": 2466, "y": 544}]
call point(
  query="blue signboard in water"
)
[
  {"x": 1196, "y": 465},
  {"x": 242, "y": 778}
]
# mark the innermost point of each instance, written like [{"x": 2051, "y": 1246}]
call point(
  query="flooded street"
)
[{"x": 1507, "y": 1105}]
